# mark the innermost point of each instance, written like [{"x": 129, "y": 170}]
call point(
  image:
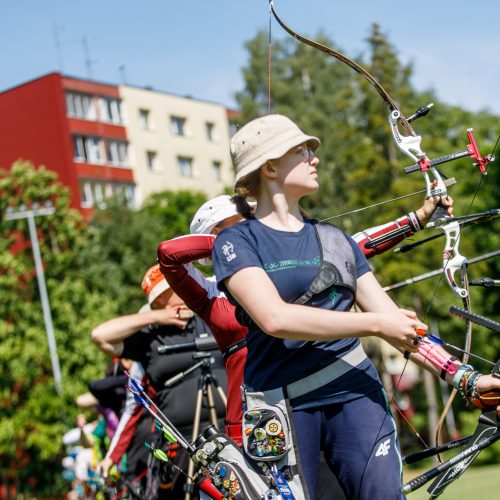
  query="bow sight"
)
[{"x": 472, "y": 150}]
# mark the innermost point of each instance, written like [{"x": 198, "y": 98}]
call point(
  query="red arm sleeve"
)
[
  {"x": 203, "y": 297},
  {"x": 199, "y": 293},
  {"x": 389, "y": 235}
]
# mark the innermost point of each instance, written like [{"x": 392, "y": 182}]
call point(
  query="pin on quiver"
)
[
  {"x": 269, "y": 440},
  {"x": 219, "y": 459},
  {"x": 264, "y": 436}
]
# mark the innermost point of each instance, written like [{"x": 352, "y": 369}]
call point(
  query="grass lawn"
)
[{"x": 477, "y": 483}]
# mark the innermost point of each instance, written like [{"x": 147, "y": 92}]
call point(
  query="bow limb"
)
[
  {"x": 408, "y": 144},
  {"x": 346, "y": 60}
]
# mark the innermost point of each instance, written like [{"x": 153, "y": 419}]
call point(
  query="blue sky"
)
[{"x": 196, "y": 47}]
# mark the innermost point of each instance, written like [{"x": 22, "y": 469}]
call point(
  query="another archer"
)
[{"x": 294, "y": 282}]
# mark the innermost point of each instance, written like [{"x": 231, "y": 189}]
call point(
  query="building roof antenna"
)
[
  {"x": 89, "y": 62},
  {"x": 57, "y": 31}
]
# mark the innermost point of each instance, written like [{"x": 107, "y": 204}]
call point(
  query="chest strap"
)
[
  {"x": 234, "y": 348},
  {"x": 338, "y": 262}
]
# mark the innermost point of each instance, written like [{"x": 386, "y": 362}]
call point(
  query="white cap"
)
[{"x": 211, "y": 213}]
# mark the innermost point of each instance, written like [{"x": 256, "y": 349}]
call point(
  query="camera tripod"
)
[{"x": 207, "y": 382}]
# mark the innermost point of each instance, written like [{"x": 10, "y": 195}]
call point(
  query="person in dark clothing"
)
[
  {"x": 110, "y": 390},
  {"x": 164, "y": 321}
]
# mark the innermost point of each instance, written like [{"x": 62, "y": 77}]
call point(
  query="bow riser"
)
[{"x": 453, "y": 261}]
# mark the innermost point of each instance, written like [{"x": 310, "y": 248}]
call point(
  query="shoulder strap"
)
[{"x": 338, "y": 263}]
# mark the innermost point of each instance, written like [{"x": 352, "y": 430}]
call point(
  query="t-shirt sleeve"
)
[
  {"x": 232, "y": 252},
  {"x": 362, "y": 266}
]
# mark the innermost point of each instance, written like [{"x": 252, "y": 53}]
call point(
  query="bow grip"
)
[{"x": 440, "y": 212}]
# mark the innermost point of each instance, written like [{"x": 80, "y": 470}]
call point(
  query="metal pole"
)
[
  {"x": 47, "y": 316},
  {"x": 30, "y": 216}
]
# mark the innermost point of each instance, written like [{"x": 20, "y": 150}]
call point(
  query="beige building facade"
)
[{"x": 176, "y": 143}]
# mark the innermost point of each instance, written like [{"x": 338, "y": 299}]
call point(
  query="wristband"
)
[
  {"x": 459, "y": 373},
  {"x": 468, "y": 384},
  {"x": 415, "y": 221},
  {"x": 471, "y": 389}
]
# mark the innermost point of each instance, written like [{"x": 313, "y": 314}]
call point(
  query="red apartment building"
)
[{"x": 75, "y": 128}]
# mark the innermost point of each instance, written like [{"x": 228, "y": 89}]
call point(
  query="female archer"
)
[{"x": 294, "y": 282}]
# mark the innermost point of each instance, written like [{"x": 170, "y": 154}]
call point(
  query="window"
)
[
  {"x": 129, "y": 194},
  {"x": 99, "y": 194},
  {"x": 185, "y": 166},
  {"x": 110, "y": 110},
  {"x": 87, "y": 149},
  {"x": 144, "y": 119},
  {"x": 94, "y": 193},
  {"x": 79, "y": 150},
  {"x": 80, "y": 106},
  {"x": 152, "y": 161},
  {"x": 178, "y": 125},
  {"x": 86, "y": 197},
  {"x": 216, "y": 170},
  {"x": 210, "y": 128},
  {"x": 116, "y": 152}
]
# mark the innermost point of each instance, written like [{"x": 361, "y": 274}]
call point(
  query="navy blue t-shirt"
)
[{"x": 292, "y": 260}]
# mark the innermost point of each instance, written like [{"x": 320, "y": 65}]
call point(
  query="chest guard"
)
[{"x": 338, "y": 262}]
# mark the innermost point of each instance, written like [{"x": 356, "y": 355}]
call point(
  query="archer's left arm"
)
[
  {"x": 471, "y": 384},
  {"x": 379, "y": 239},
  {"x": 480, "y": 390}
]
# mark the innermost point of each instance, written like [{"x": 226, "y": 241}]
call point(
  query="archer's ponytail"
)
[{"x": 242, "y": 206}]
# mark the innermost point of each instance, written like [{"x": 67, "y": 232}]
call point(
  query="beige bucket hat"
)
[{"x": 266, "y": 138}]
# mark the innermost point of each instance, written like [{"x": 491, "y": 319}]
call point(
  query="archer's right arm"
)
[
  {"x": 376, "y": 240},
  {"x": 109, "y": 336},
  {"x": 201, "y": 294}
]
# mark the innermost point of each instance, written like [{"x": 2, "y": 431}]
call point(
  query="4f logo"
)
[
  {"x": 384, "y": 448},
  {"x": 227, "y": 249}
]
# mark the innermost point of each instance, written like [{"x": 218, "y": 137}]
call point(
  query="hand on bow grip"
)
[
  {"x": 435, "y": 207},
  {"x": 488, "y": 387}
]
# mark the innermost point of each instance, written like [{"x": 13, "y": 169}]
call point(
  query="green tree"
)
[
  {"x": 93, "y": 272},
  {"x": 33, "y": 417},
  {"x": 121, "y": 243}
]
